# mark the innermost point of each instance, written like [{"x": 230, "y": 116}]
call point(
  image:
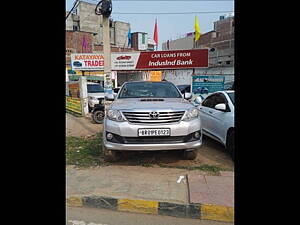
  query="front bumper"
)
[
  {"x": 129, "y": 130},
  {"x": 152, "y": 147}
]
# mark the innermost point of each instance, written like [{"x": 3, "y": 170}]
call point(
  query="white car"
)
[
  {"x": 217, "y": 118},
  {"x": 95, "y": 94}
]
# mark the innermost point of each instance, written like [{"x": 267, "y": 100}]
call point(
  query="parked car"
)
[
  {"x": 217, "y": 118},
  {"x": 201, "y": 90},
  {"x": 184, "y": 88},
  {"x": 147, "y": 116},
  {"x": 95, "y": 94},
  {"x": 77, "y": 64}
]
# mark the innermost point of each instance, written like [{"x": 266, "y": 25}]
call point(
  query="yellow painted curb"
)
[
  {"x": 216, "y": 212},
  {"x": 139, "y": 206},
  {"x": 74, "y": 202}
]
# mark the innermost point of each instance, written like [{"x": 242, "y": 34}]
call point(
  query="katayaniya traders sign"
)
[
  {"x": 87, "y": 61},
  {"x": 178, "y": 59}
]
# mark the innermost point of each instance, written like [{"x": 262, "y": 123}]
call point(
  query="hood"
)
[
  {"x": 136, "y": 103},
  {"x": 97, "y": 95}
]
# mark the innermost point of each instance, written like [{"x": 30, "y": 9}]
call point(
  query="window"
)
[
  {"x": 208, "y": 102},
  {"x": 94, "y": 88},
  {"x": 75, "y": 28},
  {"x": 143, "y": 38},
  {"x": 149, "y": 90},
  {"x": 231, "y": 96},
  {"x": 214, "y": 100}
]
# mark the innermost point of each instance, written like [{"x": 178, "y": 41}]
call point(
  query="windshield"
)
[
  {"x": 149, "y": 90},
  {"x": 231, "y": 96},
  {"x": 94, "y": 88}
]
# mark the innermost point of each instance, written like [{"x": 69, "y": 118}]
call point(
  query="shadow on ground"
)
[{"x": 210, "y": 153}]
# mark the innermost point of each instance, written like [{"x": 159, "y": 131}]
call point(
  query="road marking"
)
[
  {"x": 218, "y": 213},
  {"x": 138, "y": 206}
]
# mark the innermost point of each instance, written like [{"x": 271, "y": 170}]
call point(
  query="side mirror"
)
[
  {"x": 110, "y": 97},
  {"x": 221, "y": 107},
  {"x": 187, "y": 96},
  {"x": 198, "y": 100}
]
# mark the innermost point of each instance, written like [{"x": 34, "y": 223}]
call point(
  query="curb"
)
[{"x": 193, "y": 211}]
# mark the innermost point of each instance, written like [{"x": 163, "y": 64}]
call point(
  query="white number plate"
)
[{"x": 154, "y": 132}]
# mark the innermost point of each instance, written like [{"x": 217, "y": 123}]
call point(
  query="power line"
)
[
  {"x": 72, "y": 8},
  {"x": 156, "y": 13},
  {"x": 169, "y": 0},
  {"x": 166, "y": 0}
]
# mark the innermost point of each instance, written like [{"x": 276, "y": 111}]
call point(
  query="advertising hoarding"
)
[
  {"x": 87, "y": 61},
  {"x": 202, "y": 85},
  {"x": 150, "y": 60},
  {"x": 177, "y": 59}
]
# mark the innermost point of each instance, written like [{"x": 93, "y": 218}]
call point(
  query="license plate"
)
[{"x": 154, "y": 132}]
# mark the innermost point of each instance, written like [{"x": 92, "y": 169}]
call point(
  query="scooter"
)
[{"x": 98, "y": 113}]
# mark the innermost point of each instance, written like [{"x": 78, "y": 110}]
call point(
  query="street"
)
[{"x": 90, "y": 216}]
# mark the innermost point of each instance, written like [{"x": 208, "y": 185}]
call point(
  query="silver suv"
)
[{"x": 147, "y": 116}]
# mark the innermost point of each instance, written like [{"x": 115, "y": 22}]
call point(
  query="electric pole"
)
[{"x": 104, "y": 8}]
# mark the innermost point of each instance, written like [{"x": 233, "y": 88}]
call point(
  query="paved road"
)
[{"x": 90, "y": 216}]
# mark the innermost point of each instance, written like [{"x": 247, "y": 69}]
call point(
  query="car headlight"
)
[
  {"x": 191, "y": 114},
  {"x": 115, "y": 115}
]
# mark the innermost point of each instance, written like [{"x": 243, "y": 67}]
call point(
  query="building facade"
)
[{"x": 84, "y": 19}]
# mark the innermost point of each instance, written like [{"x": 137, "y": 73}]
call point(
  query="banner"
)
[
  {"x": 202, "y": 85},
  {"x": 155, "y": 75},
  {"x": 73, "y": 102},
  {"x": 87, "y": 61},
  {"x": 151, "y": 60},
  {"x": 177, "y": 59}
]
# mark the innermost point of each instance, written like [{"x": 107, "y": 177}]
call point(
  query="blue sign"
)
[{"x": 202, "y": 85}]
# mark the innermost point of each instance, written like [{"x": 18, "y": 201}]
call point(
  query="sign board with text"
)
[
  {"x": 87, "y": 61},
  {"x": 177, "y": 59},
  {"x": 150, "y": 60},
  {"x": 205, "y": 84}
]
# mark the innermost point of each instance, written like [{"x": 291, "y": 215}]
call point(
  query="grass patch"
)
[{"x": 84, "y": 152}]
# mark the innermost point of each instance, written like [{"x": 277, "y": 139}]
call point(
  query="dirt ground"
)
[
  {"x": 210, "y": 153},
  {"x": 81, "y": 126}
]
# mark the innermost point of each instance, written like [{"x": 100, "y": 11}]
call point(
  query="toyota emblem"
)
[{"x": 154, "y": 115}]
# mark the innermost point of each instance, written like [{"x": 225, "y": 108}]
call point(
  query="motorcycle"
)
[{"x": 98, "y": 113}]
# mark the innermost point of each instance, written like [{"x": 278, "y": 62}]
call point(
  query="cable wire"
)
[{"x": 169, "y": 13}]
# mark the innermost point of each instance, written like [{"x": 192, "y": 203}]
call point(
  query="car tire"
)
[
  {"x": 110, "y": 155},
  {"x": 98, "y": 116},
  {"x": 230, "y": 144},
  {"x": 190, "y": 155}
]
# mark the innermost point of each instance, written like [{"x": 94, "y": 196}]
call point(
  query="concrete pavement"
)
[{"x": 153, "y": 191}]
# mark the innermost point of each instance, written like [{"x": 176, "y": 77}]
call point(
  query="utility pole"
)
[{"x": 104, "y": 8}]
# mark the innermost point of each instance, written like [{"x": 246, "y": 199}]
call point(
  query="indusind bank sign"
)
[{"x": 177, "y": 59}]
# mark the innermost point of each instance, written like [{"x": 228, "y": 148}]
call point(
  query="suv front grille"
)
[{"x": 144, "y": 117}]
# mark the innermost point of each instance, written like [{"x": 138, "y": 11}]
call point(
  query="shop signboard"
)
[
  {"x": 87, "y": 61},
  {"x": 202, "y": 85},
  {"x": 177, "y": 59}
]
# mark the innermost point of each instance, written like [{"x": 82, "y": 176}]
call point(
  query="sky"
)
[{"x": 170, "y": 27}]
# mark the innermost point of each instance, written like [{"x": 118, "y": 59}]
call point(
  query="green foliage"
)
[{"x": 84, "y": 152}]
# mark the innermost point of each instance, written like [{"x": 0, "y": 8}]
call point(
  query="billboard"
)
[
  {"x": 87, "y": 61},
  {"x": 73, "y": 102},
  {"x": 202, "y": 85},
  {"x": 177, "y": 59},
  {"x": 150, "y": 60}
]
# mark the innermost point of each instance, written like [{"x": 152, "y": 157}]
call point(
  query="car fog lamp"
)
[
  {"x": 109, "y": 136},
  {"x": 197, "y": 134}
]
